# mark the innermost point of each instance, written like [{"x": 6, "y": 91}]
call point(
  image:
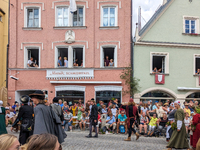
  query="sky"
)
[{"x": 148, "y": 8}]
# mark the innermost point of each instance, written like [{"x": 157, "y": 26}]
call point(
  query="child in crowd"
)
[
  {"x": 99, "y": 121},
  {"x": 152, "y": 125},
  {"x": 83, "y": 121}
]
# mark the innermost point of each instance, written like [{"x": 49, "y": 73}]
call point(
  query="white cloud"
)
[{"x": 148, "y": 8}]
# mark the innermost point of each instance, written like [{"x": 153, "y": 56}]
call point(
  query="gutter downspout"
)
[
  {"x": 8, "y": 45},
  {"x": 131, "y": 44}
]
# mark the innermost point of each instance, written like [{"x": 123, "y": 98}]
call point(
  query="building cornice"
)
[{"x": 168, "y": 44}]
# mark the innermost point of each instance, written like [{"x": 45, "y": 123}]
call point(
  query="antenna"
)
[{"x": 139, "y": 19}]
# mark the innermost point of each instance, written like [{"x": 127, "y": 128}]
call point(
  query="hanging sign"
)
[{"x": 159, "y": 78}]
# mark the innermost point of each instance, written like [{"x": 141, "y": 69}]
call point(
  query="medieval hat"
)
[
  {"x": 55, "y": 99},
  {"x": 166, "y": 104},
  {"x": 38, "y": 94},
  {"x": 131, "y": 100},
  {"x": 25, "y": 99}
]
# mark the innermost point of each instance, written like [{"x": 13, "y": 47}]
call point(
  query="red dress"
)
[{"x": 196, "y": 133}]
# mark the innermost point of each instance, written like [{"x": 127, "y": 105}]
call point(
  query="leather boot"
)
[
  {"x": 128, "y": 139},
  {"x": 137, "y": 136}
]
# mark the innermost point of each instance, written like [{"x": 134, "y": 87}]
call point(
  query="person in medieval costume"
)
[
  {"x": 26, "y": 117},
  {"x": 2, "y": 119},
  {"x": 195, "y": 128},
  {"x": 171, "y": 119},
  {"x": 131, "y": 112},
  {"x": 179, "y": 137},
  {"x": 45, "y": 119}
]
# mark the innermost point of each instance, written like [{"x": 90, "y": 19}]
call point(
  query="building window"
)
[
  {"x": 190, "y": 25},
  {"x": 62, "y": 57},
  {"x": 32, "y": 58},
  {"x": 33, "y": 17},
  {"x": 62, "y": 16},
  {"x": 159, "y": 63},
  {"x": 109, "y": 16},
  {"x": 108, "y": 56},
  {"x": 78, "y": 17},
  {"x": 0, "y": 18},
  {"x": 197, "y": 64},
  {"x": 106, "y": 96},
  {"x": 77, "y": 57}
]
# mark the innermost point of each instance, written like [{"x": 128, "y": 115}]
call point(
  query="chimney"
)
[
  {"x": 164, "y": 2},
  {"x": 139, "y": 19}
]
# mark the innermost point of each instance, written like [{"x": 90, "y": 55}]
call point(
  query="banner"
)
[{"x": 159, "y": 78}]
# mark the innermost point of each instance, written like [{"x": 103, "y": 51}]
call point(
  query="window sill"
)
[
  {"x": 196, "y": 75},
  {"x": 32, "y": 68},
  {"x": 191, "y": 34},
  {"x": 32, "y": 28},
  {"x": 70, "y": 27},
  {"x": 167, "y": 74},
  {"x": 105, "y": 28}
]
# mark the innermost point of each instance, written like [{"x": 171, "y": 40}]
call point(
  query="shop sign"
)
[{"x": 70, "y": 73}]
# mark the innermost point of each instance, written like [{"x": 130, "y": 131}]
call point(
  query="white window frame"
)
[
  {"x": 26, "y": 16},
  {"x": 196, "y": 19},
  {"x": 102, "y": 55},
  {"x": 194, "y": 62},
  {"x": 56, "y": 17},
  {"x": 26, "y": 48},
  {"x": 70, "y": 55},
  {"x": 72, "y": 21},
  {"x": 116, "y": 17},
  {"x": 160, "y": 54}
]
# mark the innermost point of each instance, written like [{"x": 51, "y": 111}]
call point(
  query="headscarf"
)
[
  {"x": 1, "y": 104},
  {"x": 177, "y": 102},
  {"x": 172, "y": 104}
]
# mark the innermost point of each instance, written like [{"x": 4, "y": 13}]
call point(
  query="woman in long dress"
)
[
  {"x": 196, "y": 132},
  {"x": 2, "y": 119},
  {"x": 179, "y": 136}
]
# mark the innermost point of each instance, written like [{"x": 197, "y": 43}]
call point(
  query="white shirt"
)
[
  {"x": 114, "y": 111},
  {"x": 65, "y": 61},
  {"x": 144, "y": 110},
  {"x": 10, "y": 115},
  {"x": 30, "y": 62},
  {"x": 187, "y": 122}
]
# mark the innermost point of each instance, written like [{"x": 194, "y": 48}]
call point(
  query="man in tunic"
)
[
  {"x": 93, "y": 119},
  {"x": 2, "y": 119},
  {"x": 131, "y": 112},
  {"x": 179, "y": 136},
  {"x": 46, "y": 120}
]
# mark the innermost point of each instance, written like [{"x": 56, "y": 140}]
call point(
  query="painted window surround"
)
[
  {"x": 26, "y": 55},
  {"x": 70, "y": 55},
  {"x": 166, "y": 60},
  {"x": 102, "y": 55},
  {"x": 70, "y": 23},
  {"x": 196, "y": 18},
  {"x": 26, "y": 16}
]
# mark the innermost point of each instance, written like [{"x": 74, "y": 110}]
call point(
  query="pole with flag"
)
[{"x": 72, "y": 6}]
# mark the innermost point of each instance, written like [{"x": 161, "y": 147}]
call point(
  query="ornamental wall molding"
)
[
  {"x": 53, "y": 3},
  {"x": 76, "y": 41},
  {"x": 32, "y": 3},
  {"x": 98, "y": 43},
  {"x": 120, "y": 3},
  {"x": 167, "y": 44},
  {"x": 31, "y": 45},
  {"x": 70, "y": 88}
]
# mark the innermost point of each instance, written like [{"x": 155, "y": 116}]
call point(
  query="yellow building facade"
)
[{"x": 3, "y": 40}]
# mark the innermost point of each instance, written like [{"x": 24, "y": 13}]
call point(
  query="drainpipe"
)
[
  {"x": 8, "y": 45},
  {"x": 131, "y": 39}
]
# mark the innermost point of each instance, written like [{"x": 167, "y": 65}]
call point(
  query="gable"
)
[{"x": 168, "y": 25}]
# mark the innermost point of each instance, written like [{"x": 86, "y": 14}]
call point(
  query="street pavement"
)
[{"x": 76, "y": 140}]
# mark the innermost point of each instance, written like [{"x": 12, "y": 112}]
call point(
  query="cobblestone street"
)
[{"x": 77, "y": 141}]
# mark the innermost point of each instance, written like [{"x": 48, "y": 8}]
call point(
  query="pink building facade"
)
[{"x": 46, "y": 29}]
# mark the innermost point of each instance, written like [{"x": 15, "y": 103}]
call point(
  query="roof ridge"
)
[{"x": 154, "y": 17}]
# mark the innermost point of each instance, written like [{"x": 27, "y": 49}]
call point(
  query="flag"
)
[
  {"x": 159, "y": 79},
  {"x": 72, "y": 6}
]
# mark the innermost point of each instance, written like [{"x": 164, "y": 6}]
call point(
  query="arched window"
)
[
  {"x": 193, "y": 96},
  {"x": 157, "y": 96}
]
